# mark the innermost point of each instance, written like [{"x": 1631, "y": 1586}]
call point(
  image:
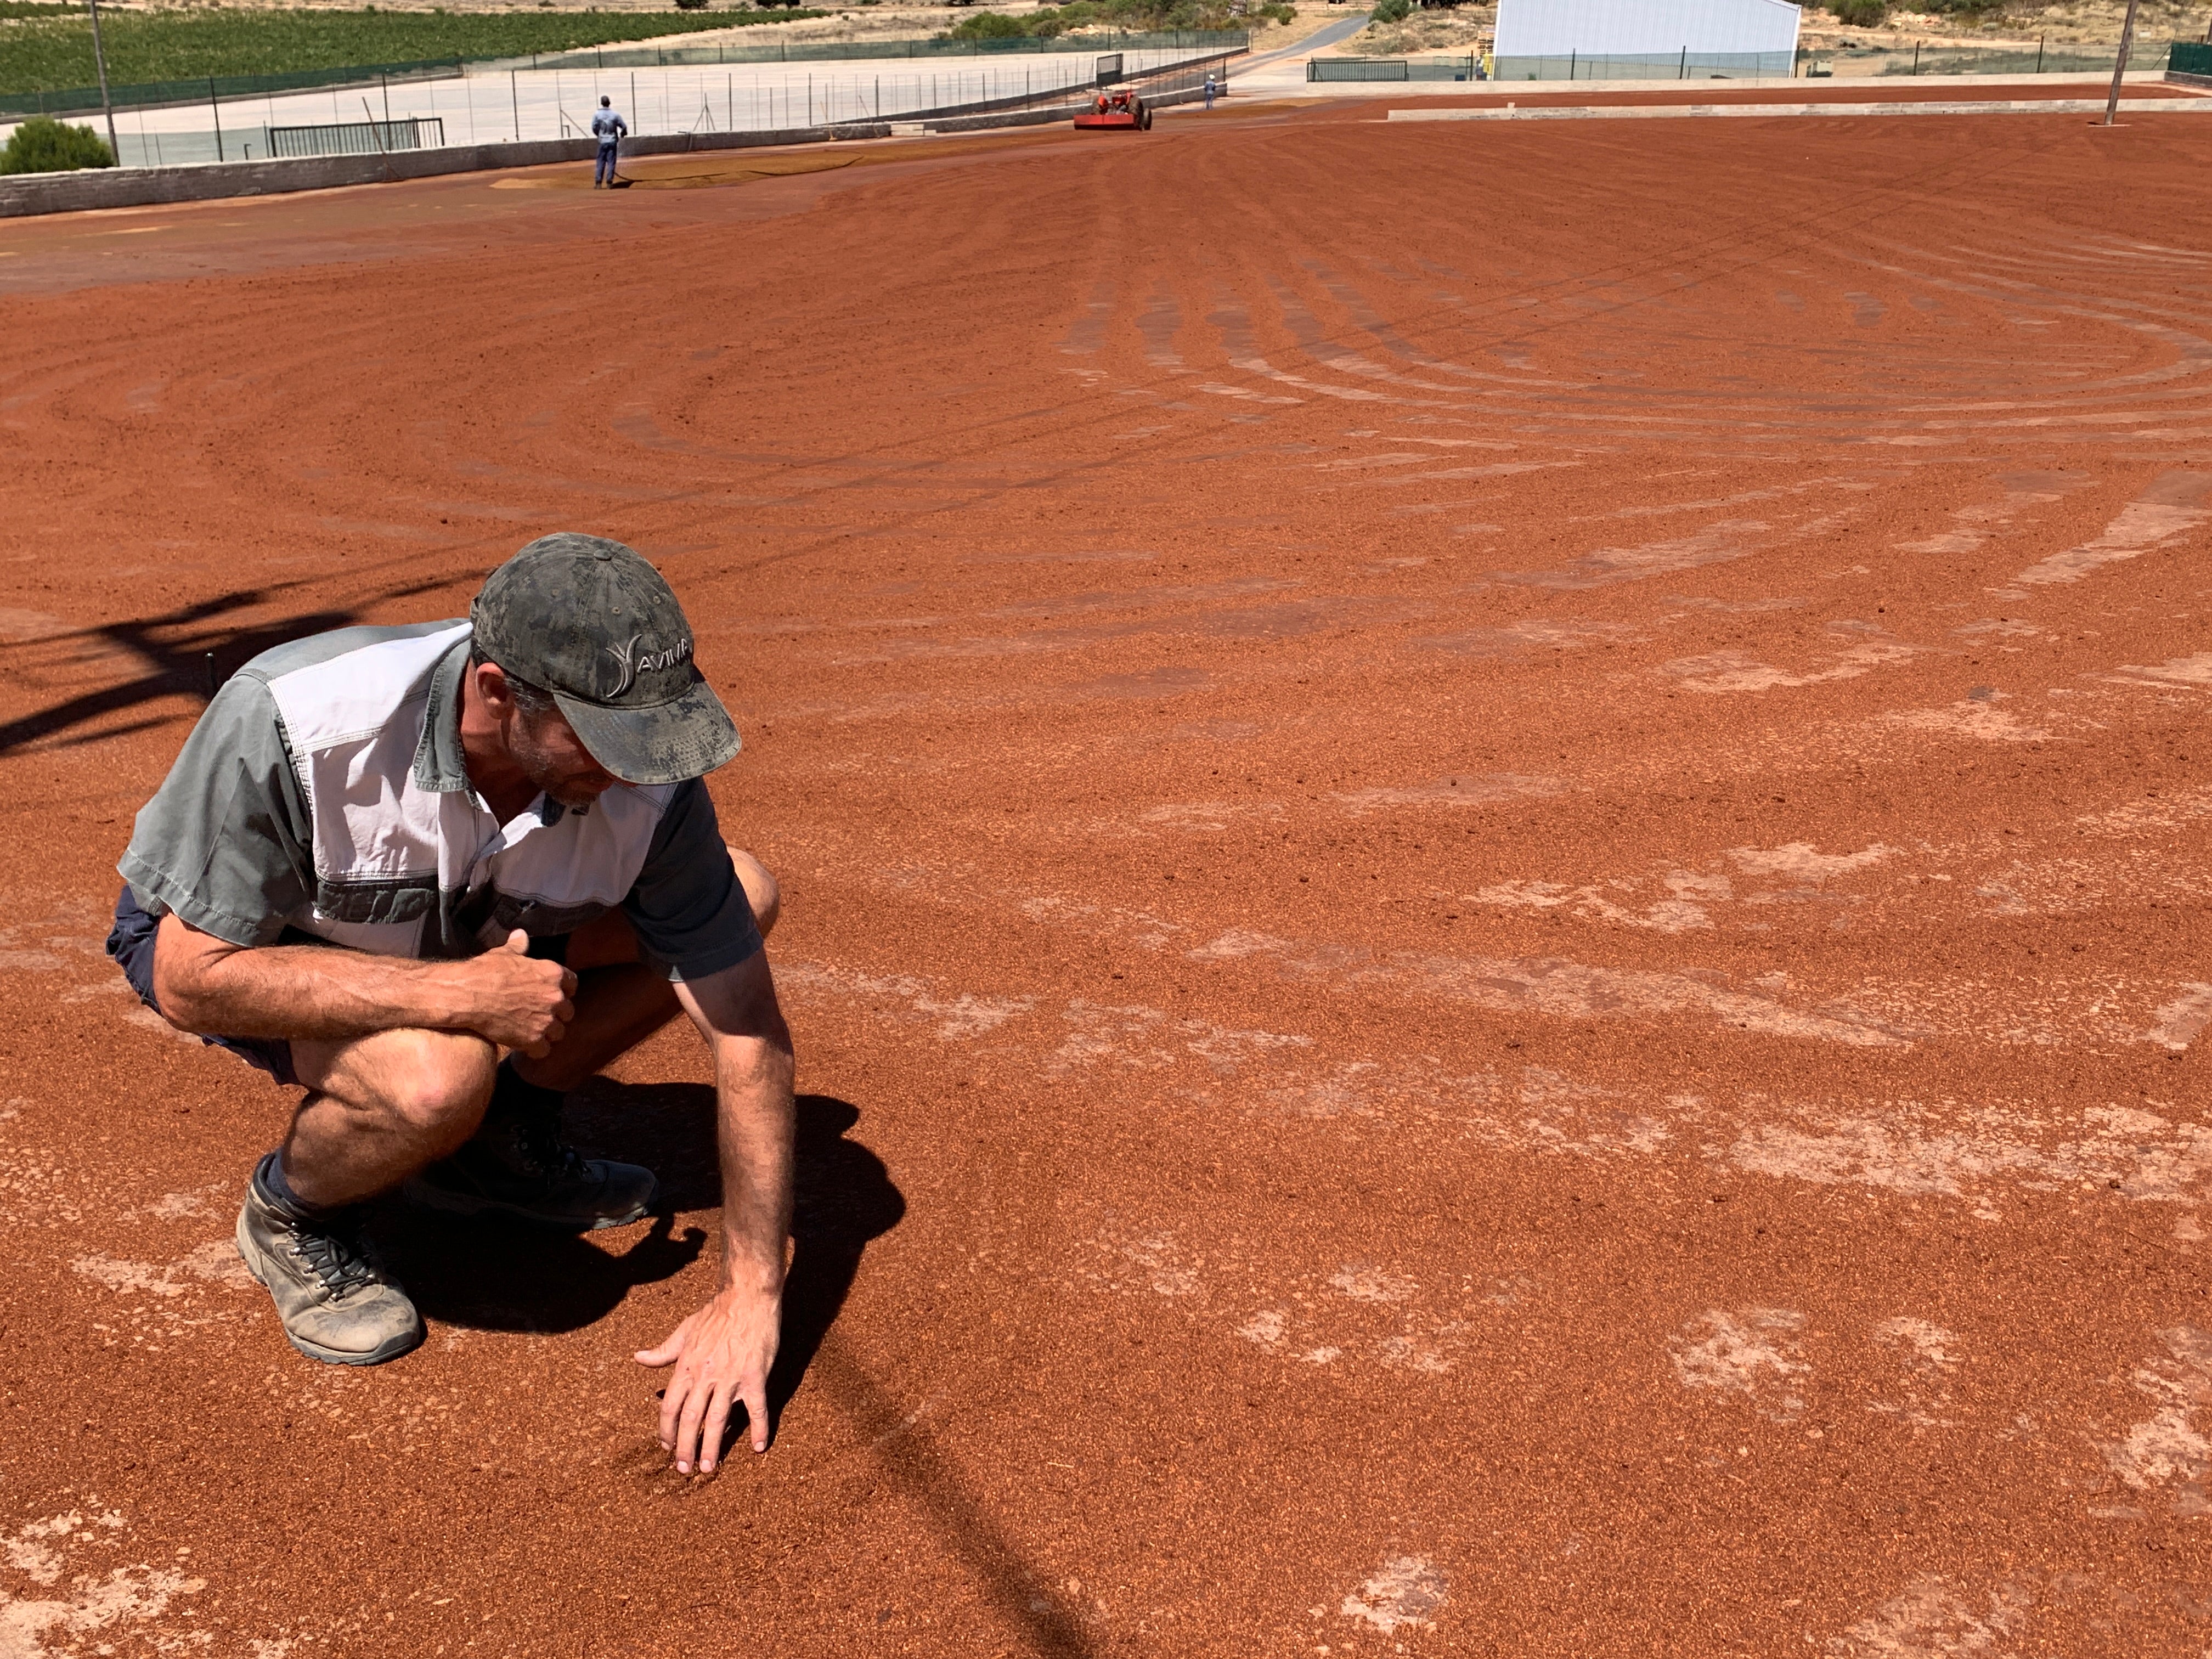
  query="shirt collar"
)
[{"x": 439, "y": 765}]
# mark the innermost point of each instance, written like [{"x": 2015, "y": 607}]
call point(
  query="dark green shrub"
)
[
  {"x": 1861, "y": 14},
  {"x": 988, "y": 25},
  {"x": 43, "y": 144},
  {"x": 1391, "y": 11},
  {"x": 692, "y": 5}
]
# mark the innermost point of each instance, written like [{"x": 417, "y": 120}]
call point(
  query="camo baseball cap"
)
[{"x": 591, "y": 622}]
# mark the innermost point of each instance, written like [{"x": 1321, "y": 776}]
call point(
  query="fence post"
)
[
  {"x": 1916, "y": 57},
  {"x": 217, "y": 109},
  {"x": 2039, "y": 53},
  {"x": 515, "y": 92},
  {"x": 99, "y": 58},
  {"x": 1572, "y": 53},
  {"x": 2120, "y": 63},
  {"x": 1683, "y": 72},
  {"x": 385, "y": 81}
]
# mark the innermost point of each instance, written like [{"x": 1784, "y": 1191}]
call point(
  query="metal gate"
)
[{"x": 358, "y": 138}]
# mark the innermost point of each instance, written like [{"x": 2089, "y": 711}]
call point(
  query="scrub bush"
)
[{"x": 43, "y": 144}]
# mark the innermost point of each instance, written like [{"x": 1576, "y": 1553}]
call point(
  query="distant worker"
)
[
  {"x": 1209, "y": 89},
  {"x": 610, "y": 129}
]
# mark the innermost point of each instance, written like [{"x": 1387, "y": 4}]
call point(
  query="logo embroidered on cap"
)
[{"x": 632, "y": 664}]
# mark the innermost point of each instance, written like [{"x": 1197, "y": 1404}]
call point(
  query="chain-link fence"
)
[
  {"x": 524, "y": 105},
  {"x": 1684, "y": 65},
  {"x": 2070, "y": 58},
  {"x": 1162, "y": 84},
  {"x": 779, "y": 51},
  {"x": 152, "y": 94},
  {"x": 1853, "y": 61},
  {"x": 210, "y": 89}
]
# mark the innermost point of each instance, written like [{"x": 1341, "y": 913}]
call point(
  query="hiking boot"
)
[
  {"x": 517, "y": 1166},
  {"x": 338, "y": 1302}
]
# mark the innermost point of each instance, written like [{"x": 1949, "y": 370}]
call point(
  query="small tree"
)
[
  {"x": 43, "y": 144},
  {"x": 1391, "y": 11},
  {"x": 1861, "y": 14}
]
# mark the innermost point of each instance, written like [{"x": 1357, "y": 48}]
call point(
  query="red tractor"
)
[{"x": 1116, "y": 110}]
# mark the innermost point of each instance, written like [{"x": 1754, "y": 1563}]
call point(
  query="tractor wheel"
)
[{"x": 1144, "y": 122}]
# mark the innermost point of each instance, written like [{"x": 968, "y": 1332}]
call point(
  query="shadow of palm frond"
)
[{"x": 182, "y": 653}]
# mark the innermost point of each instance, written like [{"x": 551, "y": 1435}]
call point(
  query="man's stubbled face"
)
[{"x": 554, "y": 758}]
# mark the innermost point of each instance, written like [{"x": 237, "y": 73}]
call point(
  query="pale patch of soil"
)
[{"x": 1460, "y": 29}]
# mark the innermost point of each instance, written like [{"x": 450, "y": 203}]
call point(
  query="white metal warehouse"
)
[{"x": 1608, "y": 38}]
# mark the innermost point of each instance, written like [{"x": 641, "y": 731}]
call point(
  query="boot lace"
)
[{"x": 337, "y": 1257}]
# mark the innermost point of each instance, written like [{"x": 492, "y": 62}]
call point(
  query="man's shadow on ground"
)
[{"x": 490, "y": 1276}]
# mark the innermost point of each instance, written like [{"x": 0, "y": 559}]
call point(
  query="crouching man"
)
[{"x": 438, "y": 875}]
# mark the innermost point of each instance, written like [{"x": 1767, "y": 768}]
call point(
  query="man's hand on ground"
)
[
  {"x": 722, "y": 1354},
  {"x": 513, "y": 999}
]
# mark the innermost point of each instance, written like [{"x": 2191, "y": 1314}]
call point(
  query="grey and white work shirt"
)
[{"x": 323, "y": 790}]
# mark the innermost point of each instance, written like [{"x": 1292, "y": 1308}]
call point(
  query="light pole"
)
[
  {"x": 2120, "y": 63},
  {"x": 99, "y": 56}
]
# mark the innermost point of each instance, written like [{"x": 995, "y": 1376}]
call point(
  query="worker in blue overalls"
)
[{"x": 610, "y": 129}]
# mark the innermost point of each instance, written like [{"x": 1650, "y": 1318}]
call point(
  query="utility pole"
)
[
  {"x": 99, "y": 58},
  {"x": 2120, "y": 63}
]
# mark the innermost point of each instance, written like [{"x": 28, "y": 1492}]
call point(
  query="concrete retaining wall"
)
[
  {"x": 24, "y": 194},
  {"x": 111, "y": 187}
]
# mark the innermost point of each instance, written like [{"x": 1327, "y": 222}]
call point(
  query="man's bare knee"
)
[
  {"x": 761, "y": 891},
  {"x": 437, "y": 1083}
]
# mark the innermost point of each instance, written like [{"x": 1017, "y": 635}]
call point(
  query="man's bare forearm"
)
[
  {"x": 309, "y": 991},
  {"x": 755, "y": 1126},
  {"x": 724, "y": 1353}
]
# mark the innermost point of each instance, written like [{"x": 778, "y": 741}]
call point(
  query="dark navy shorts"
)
[{"x": 131, "y": 944}]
